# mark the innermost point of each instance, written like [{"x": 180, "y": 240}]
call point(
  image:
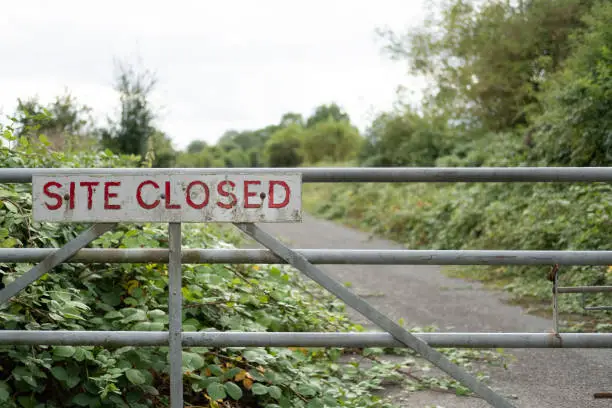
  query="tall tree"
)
[
  {"x": 575, "y": 127},
  {"x": 331, "y": 141},
  {"x": 291, "y": 118},
  {"x": 160, "y": 151},
  {"x": 284, "y": 148},
  {"x": 487, "y": 61},
  {"x": 131, "y": 133},
  {"x": 66, "y": 123},
  {"x": 196, "y": 146},
  {"x": 325, "y": 112},
  {"x": 405, "y": 139}
]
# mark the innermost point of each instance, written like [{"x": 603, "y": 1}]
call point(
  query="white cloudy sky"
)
[{"x": 220, "y": 65}]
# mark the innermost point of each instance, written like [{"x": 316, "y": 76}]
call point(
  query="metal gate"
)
[{"x": 305, "y": 261}]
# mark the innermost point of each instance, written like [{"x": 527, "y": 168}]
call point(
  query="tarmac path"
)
[{"x": 422, "y": 295}]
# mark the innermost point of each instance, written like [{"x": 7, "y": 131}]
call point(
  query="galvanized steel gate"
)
[{"x": 305, "y": 260}]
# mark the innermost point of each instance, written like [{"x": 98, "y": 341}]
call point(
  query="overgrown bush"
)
[
  {"x": 575, "y": 128},
  {"x": 508, "y": 216},
  {"x": 134, "y": 297}
]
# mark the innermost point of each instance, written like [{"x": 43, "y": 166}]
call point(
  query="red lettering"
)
[
  {"x": 271, "y": 203},
  {"x": 108, "y": 195},
  {"x": 188, "y": 195},
  {"x": 72, "y": 186},
  {"x": 226, "y": 194},
  {"x": 248, "y": 194},
  {"x": 90, "y": 185},
  {"x": 55, "y": 196},
  {"x": 168, "y": 198},
  {"x": 139, "y": 195}
]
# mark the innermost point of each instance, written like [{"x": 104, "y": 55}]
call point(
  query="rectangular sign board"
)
[{"x": 171, "y": 197}]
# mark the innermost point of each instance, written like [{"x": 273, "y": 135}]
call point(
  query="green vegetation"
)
[
  {"x": 527, "y": 84},
  {"x": 511, "y": 84},
  {"x": 135, "y": 297},
  {"x": 326, "y": 135},
  {"x": 473, "y": 216}
]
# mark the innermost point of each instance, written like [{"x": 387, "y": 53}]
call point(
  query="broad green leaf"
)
[
  {"x": 252, "y": 355},
  {"x": 10, "y": 206},
  {"x": 9, "y": 243},
  {"x": 191, "y": 322},
  {"x": 275, "y": 392},
  {"x": 64, "y": 351},
  {"x": 157, "y": 314},
  {"x": 270, "y": 376},
  {"x": 5, "y": 391},
  {"x": 137, "y": 315},
  {"x": 142, "y": 326},
  {"x": 259, "y": 389},
  {"x": 192, "y": 361},
  {"x": 30, "y": 380},
  {"x": 306, "y": 390},
  {"x": 233, "y": 390},
  {"x": 112, "y": 298},
  {"x": 82, "y": 399},
  {"x": 134, "y": 396},
  {"x": 132, "y": 302},
  {"x": 216, "y": 391},
  {"x": 56, "y": 317},
  {"x": 330, "y": 401},
  {"x": 27, "y": 402},
  {"x": 59, "y": 373},
  {"x": 231, "y": 373},
  {"x": 118, "y": 401},
  {"x": 315, "y": 403},
  {"x": 81, "y": 354},
  {"x": 215, "y": 370},
  {"x": 156, "y": 326},
  {"x": 124, "y": 364},
  {"x": 114, "y": 314},
  {"x": 150, "y": 390},
  {"x": 136, "y": 377},
  {"x": 257, "y": 375},
  {"x": 137, "y": 293},
  {"x": 73, "y": 381}
]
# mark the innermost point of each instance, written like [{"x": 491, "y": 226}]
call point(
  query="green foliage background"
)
[
  {"x": 524, "y": 84},
  {"x": 134, "y": 297}
]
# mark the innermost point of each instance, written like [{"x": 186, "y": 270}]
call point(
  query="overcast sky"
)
[{"x": 221, "y": 65}]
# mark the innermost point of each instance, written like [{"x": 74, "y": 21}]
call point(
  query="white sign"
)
[{"x": 168, "y": 197}]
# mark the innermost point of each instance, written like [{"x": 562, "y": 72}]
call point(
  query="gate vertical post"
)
[
  {"x": 175, "y": 315},
  {"x": 555, "y": 302}
]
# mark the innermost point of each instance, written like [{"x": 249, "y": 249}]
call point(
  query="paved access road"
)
[{"x": 422, "y": 295}]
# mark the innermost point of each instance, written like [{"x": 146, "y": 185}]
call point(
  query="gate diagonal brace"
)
[
  {"x": 54, "y": 259},
  {"x": 432, "y": 355}
]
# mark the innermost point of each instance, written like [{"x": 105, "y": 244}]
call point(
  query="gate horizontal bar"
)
[
  {"x": 584, "y": 289},
  {"x": 374, "y": 315},
  {"x": 321, "y": 256},
  {"x": 304, "y": 339},
  {"x": 54, "y": 258},
  {"x": 597, "y": 308},
  {"x": 356, "y": 174}
]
